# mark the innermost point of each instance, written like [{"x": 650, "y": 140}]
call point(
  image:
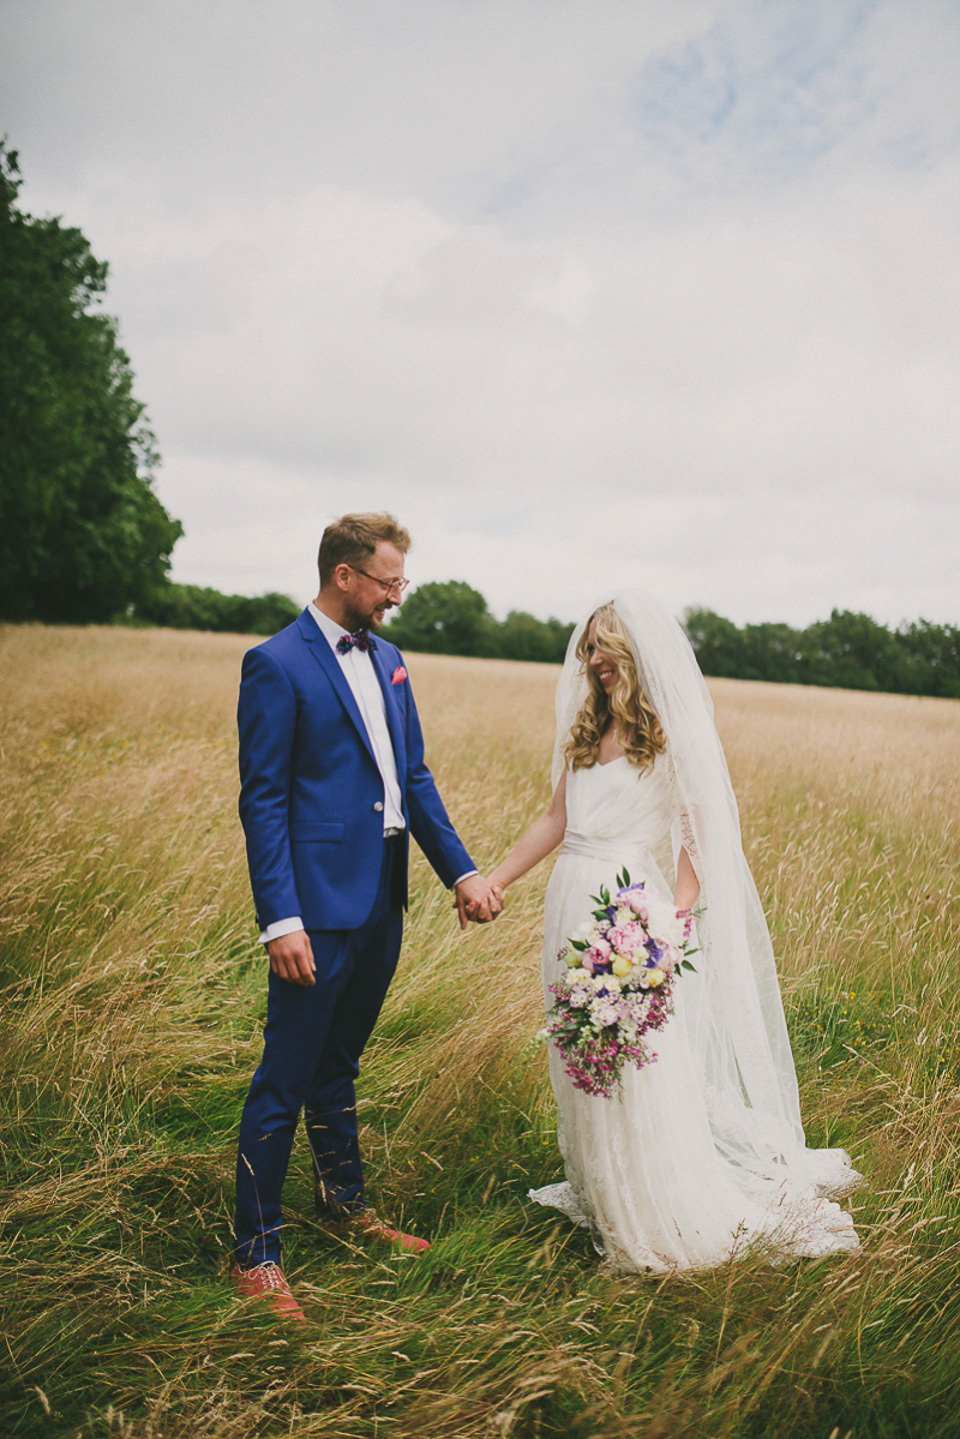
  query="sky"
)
[{"x": 660, "y": 291}]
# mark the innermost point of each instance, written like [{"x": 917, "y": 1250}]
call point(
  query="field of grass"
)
[{"x": 133, "y": 992}]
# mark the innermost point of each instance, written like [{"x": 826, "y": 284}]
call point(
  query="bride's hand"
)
[
  {"x": 480, "y": 907},
  {"x": 495, "y": 899},
  {"x": 491, "y": 906}
]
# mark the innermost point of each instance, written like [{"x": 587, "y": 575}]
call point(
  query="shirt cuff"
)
[
  {"x": 464, "y": 876},
  {"x": 281, "y": 927}
]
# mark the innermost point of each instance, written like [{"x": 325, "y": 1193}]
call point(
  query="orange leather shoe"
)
[
  {"x": 265, "y": 1281},
  {"x": 366, "y": 1224}
]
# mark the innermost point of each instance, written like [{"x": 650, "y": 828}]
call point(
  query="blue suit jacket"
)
[{"x": 311, "y": 795}]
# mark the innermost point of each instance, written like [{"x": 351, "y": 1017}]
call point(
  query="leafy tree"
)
[
  {"x": 82, "y": 534},
  {"x": 717, "y": 643},
  {"x": 523, "y": 637},
  {"x": 928, "y": 659},
  {"x": 849, "y": 650},
  {"x": 770, "y": 651},
  {"x": 449, "y": 618}
]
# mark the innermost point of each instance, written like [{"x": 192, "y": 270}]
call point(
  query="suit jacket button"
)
[{"x": 378, "y": 807}]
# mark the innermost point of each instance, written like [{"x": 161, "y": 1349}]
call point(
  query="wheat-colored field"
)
[{"x": 133, "y": 994}]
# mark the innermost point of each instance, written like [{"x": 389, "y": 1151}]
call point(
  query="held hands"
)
[
  {"x": 493, "y": 907},
  {"x": 477, "y": 899}
]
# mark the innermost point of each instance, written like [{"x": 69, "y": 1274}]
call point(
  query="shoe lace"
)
[{"x": 270, "y": 1276}]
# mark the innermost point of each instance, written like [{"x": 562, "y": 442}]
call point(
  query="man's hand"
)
[
  {"x": 477, "y": 899},
  {"x": 292, "y": 958}
]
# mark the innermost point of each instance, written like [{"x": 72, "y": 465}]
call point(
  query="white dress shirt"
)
[{"x": 358, "y": 671}]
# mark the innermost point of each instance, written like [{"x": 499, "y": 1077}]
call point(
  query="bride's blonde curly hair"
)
[{"x": 639, "y": 731}]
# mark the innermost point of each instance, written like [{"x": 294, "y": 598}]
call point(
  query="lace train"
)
[{"x": 802, "y": 1228}]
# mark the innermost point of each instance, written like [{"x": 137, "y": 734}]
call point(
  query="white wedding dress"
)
[{"x": 654, "y": 1174}]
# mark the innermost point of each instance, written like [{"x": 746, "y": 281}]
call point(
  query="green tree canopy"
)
[
  {"x": 849, "y": 650},
  {"x": 448, "y": 618},
  {"x": 523, "y": 637},
  {"x": 82, "y": 534},
  {"x": 717, "y": 642},
  {"x": 769, "y": 651},
  {"x": 196, "y": 607},
  {"x": 929, "y": 659}
]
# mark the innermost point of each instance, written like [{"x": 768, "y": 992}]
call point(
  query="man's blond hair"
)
[{"x": 353, "y": 539}]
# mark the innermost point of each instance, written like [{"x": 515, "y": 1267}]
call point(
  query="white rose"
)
[
  {"x": 664, "y": 924},
  {"x": 586, "y": 932}
]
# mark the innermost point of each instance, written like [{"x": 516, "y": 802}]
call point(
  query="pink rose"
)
[
  {"x": 637, "y": 903},
  {"x": 669, "y": 959},
  {"x": 626, "y": 938}
]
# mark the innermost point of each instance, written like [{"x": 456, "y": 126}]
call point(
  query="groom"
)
[{"x": 333, "y": 782}]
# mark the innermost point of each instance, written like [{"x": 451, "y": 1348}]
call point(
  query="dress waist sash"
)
[{"x": 611, "y": 850}]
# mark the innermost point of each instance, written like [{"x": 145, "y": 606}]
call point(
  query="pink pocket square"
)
[{"x": 398, "y": 676}]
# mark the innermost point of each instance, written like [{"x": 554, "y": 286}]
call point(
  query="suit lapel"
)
[{"x": 330, "y": 665}]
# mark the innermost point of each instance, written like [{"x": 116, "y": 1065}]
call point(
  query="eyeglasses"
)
[{"x": 389, "y": 587}]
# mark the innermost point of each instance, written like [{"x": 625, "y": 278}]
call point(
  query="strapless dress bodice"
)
[{"x": 615, "y": 811}]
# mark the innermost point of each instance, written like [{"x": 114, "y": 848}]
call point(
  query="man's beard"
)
[{"x": 358, "y": 620}]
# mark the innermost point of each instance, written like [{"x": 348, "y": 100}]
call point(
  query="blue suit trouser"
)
[{"x": 312, "y": 1044}]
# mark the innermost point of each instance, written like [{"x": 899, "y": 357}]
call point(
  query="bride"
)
[{"x": 702, "y": 1155}]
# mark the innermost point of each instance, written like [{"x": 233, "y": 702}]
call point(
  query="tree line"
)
[
  {"x": 196, "y": 607},
  {"x": 847, "y": 651}
]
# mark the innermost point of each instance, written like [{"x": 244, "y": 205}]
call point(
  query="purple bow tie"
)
[{"x": 362, "y": 639}]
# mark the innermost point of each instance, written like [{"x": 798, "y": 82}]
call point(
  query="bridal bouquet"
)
[{"x": 618, "y": 984}]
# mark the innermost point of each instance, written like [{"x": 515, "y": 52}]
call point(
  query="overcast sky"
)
[{"x": 665, "y": 289}]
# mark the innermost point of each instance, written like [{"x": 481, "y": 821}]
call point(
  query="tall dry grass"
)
[{"x": 133, "y": 993}]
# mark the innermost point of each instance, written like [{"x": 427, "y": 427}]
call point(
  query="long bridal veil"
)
[{"x": 737, "y": 1030}]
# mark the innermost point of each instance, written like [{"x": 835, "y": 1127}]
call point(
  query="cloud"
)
[{"x": 570, "y": 287}]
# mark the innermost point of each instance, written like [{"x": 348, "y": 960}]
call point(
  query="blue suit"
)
[{"x": 311, "y": 804}]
